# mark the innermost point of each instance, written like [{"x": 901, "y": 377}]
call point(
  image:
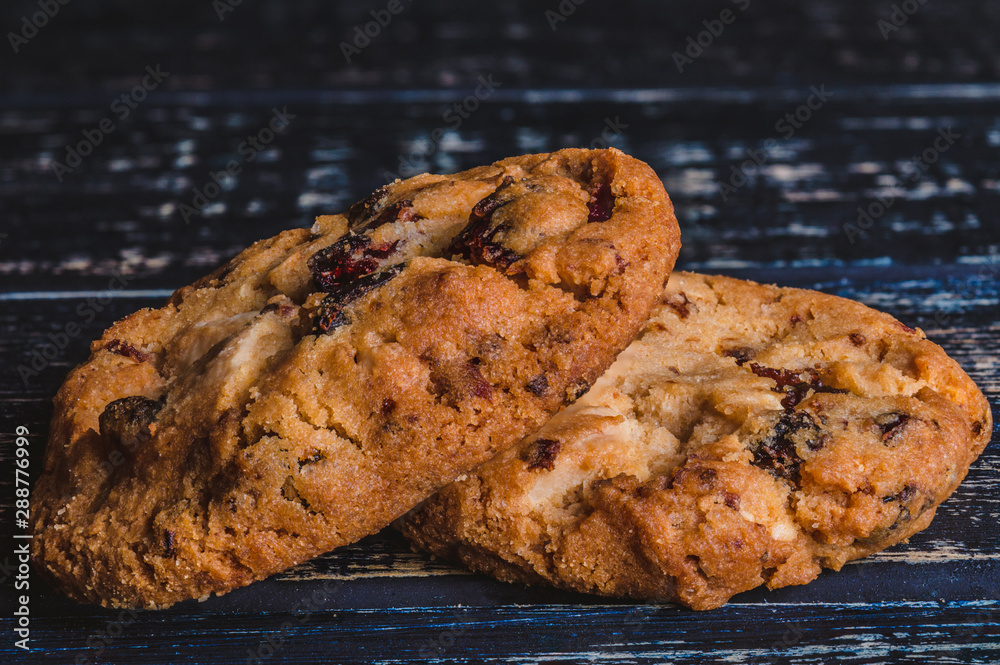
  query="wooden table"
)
[{"x": 82, "y": 248}]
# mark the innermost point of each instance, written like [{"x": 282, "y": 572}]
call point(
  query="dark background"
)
[{"x": 90, "y": 245}]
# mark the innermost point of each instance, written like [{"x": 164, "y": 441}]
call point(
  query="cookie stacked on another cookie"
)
[
  {"x": 751, "y": 435},
  {"x": 324, "y": 382}
]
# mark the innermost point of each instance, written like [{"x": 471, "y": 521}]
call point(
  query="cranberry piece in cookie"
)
[
  {"x": 601, "y": 204},
  {"x": 348, "y": 259},
  {"x": 330, "y": 314},
  {"x": 480, "y": 242}
]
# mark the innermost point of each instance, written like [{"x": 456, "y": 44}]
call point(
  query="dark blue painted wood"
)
[
  {"x": 121, "y": 209},
  {"x": 925, "y": 632}
]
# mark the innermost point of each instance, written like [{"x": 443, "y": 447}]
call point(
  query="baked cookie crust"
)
[
  {"x": 751, "y": 435},
  {"x": 325, "y": 381}
]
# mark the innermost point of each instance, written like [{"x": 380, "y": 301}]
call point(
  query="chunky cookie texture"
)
[
  {"x": 751, "y": 435},
  {"x": 323, "y": 382}
]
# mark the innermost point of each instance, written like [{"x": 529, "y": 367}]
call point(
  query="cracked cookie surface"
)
[
  {"x": 323, "y": 382},
  {"x": 751, "y": 435}
]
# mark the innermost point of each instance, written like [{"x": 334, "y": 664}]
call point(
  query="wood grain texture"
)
[
  {"x": 447, "y": 44},
  {"x": 915, "y": 632},
  {"x": 120, "y": 210}
]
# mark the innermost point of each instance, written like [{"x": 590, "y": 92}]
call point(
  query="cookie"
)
[
  {"x": 751, "y": 435},
  {"x": 324, "y": 382}
]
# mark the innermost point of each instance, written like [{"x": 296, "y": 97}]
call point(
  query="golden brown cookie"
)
[
  {"x": 750, "y": 435},
  {"x": 323, "y": 382}
]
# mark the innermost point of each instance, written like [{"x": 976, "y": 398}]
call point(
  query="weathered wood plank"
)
[
  {"x": 120, "y": 211},
  {"x": 447, "y": 44},
  {"x": 920, "y": 632}
]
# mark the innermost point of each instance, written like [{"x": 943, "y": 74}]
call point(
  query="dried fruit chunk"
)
[
  {"x": 356, "y": 255},
  {"x": 741, "y": 354},
  {"x": 776, "y": 450},
  {"x": 127, "y": 350},
  {"x": 126, "y": 421},
  {"x": 891, "y": 424},
  {"x": 478, "y": 242},
  {"x": 538, "y": 385},
  {"x": 679, "y": 303},
  {"x": 794, "y": 383},
  {"x": 602, "y": 204},
  {"x": 331, "y": 315},
  {"x": 542, "y": 454},
  {"x": 400, "y": 211},
  {"x": 362, "y": 211},
  {"x": 349, "y": 258}
]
